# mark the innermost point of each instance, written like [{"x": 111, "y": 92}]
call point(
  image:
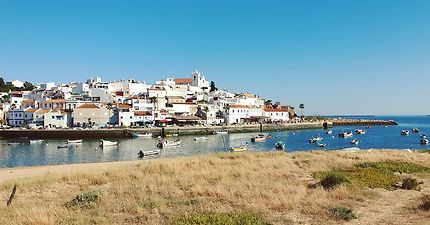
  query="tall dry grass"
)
[{"x": 274, "y": 185}]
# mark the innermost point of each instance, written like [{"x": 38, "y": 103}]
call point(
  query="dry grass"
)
[{"x": 271, "y": 185}]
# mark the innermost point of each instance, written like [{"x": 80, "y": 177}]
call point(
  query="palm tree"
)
[
  {"x": 154, "y": 100},
  {"x": 109, "y": 107},
  {"x": 302, "y": 106},
  {"x": 206, "y": 110}
]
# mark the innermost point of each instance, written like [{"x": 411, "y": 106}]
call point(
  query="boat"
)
[
  {"x": 280, "y": 145},
  {"x": 200, "y": 139},
  {"x": 104, "y": 143},
  {"x": 74, "y": 141},
  {"x": 13, "y": 143},
  {"x": 360, "y": 131},
  {"x": 315, "y": 139},
  {"x": 355, "y": 142},
  {"x": 259, "y": 138},
  {"x": 238, "y": 149},
  {"x": 36, "y": 141},
  {"x": 62, "y": 146},
  {"x": 404, "y": 132},
  {"x": 415, "y": 130},
  {"x": 162, "y": 143},
  {"x": 145, "y": 135},
  {"x": 142, "y": 153},
  {"x": 423, "y": 136},
  {"x": 328, "y": 131},
  {"x": 321, "y": 145},
  {"x": 220, "y": 132},
  {"x": 346, "y": 134},
  {"x": 424, "y": 141}
]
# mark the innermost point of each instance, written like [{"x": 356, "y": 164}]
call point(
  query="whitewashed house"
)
[
  {"x": 237, "y": 114},
  {"x": 57, "y": 119},
  {"x": 16, "y": 117},
  {"x": 16, "y": 83},
  {"x": 277, "y": 115}
]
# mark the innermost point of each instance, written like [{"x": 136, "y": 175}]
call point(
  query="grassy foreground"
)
[{"x": 228, "y": 188}]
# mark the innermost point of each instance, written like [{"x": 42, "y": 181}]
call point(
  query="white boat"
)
[
  {"x": 220, "y": 132},
  {"x": 328, "y": 131},
  {"x": 104, "y": 143},
  {"x": 346, "y": 134},
  {"x": 360, "y": 131},
  {"x": 404, "y": 132},
  {"x": 166, "y": 143},
  {"x": 238, "y": 149},
  {"x": 74, "y": 141},
  {"x": 62, "y": 146},
  {"x": 315, "y": 139},
  {"x": 260, "y": 138},
  {"x": 145, "y": 135},
  {"x": 322, "y": 145},
  {"x": 200, "y": 139},
  {"x": 415, "y": 130},
  {"x": 36, "y": 141},
  {"x": 142, "y": 153},
  {"x": 423, "y": 136},
  {"x": 424, "y": 141},
  {"x": 355, "y": 142}
]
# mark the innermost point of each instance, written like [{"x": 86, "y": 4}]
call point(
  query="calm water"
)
[{"x": 26, "y": 154}]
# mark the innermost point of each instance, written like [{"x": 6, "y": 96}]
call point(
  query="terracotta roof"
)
[
  {"x": 43, "y": 111},
  {"x": 275, "y": 110},
  {"x": 123, "y": 106},
  {"x": 55, "y": 100},
  {"x": 183, "y": 80},
  {"x": 242, "y": 107},
  {"x": 142, "y": 113},
  {"x": 30, "y": 110},
  {"x": 88, "y": 106},
  {"x": 28, "y": 100}
]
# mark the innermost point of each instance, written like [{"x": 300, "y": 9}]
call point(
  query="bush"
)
[
  {"x": 87, "y": 198},
  {"x": 333, "y": 179},
  {"x": 211, "y": 218},
  {"x": 343, "y": 213},
  {"x": 425, "y": 203},
  {"x": 411, "y": 184}
]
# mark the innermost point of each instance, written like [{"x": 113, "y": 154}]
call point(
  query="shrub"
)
[
  {"x": 211, "y": 218},
  {"x": 343, "y": 213},
  {"x": 86, "y": 198},
  {"x": 411, "y": 184},
  {"x": 333, "y": 179},
  {"x": 425, "y": 203}
]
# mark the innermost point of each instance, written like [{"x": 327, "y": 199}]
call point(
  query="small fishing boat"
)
[
  {"x": 280, "y": 145},
  {"x": 74, "y": 141},
  {"x": 404, "y": 132},
  {"x": 142, "y": 153},
  {"x": 162, "y": 143},
  {"x": 424, "y": 141},
  {"x": 321, "y": 145},
  {"x": 346, "y": 134},
  {"x": 316, "y": 139},
  {"x": 62, "y": 146},
  {"x": 200, "y": 139},
  {"x": 423, "y": 136},
  {"x": 13, "y": 143},
  {"x": 238, "y": 149},
  {"x": 355, "y": 142},
  {"x": 360, "y": 131},
  {"x": 220, "y": 132},
  {"x": 259, "y": 138},
  {"x": 104, "y": 143},
  {"x": 328, "y": 131},
  {"x": 145, "y": 135},
  {"x": 36, "y": 141},
  {"x": 415, "y": 130}
]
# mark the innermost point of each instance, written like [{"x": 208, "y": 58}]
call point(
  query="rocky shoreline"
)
[{"x": 199, "y": 130}]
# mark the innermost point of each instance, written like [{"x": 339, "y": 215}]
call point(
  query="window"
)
[{"x": 53, "y": 117}]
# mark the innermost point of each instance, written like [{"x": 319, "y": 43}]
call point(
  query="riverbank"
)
[
  {"x": 274, "y": 187},
  {"x": 195, "y": 130}
]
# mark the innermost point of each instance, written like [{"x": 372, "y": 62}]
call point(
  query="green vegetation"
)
[
  {"x": 6, "y": 88},
  {"x": 87, "y": 198},
  {"x": 213, "y": 218},
  {"x": 425, "y": 203},
  {"x": 333, "y": 179},
  {"x": 373, "y": 175},
  {"x": 343, "y": 213}
]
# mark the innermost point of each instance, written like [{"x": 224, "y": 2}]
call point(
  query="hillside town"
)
[{"x": 96, "y": 103}]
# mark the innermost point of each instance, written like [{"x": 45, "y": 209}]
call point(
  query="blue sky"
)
[{"x": 335, "y": 56}]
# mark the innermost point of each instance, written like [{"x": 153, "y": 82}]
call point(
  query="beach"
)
[{"x": 274, "y": 187}]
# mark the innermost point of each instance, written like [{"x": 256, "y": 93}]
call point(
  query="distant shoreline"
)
[{"x": 200, "y": 130}]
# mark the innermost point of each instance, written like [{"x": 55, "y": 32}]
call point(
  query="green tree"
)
[
  {"x": 154, "y": 100},
  {"x": 2, "y": 82},
  {"x": 109, "y": 107},
  {"x": 213, "y": 87},
  {"x": 28, "y": 86}
]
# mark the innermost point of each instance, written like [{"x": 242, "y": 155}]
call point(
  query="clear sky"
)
[{"x": 335, "y": 56}]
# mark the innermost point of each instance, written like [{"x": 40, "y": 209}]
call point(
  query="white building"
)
[
  {"x": 128, "y": 87},
  {"x": 57, "y": 119},
  {"x": 237, "y": 114},
  {"x": 16, "y": 83},
  {"x": 199, "y": 80},
  {"x": 277, "y": 115},
  {"x": 16, "y": 118},
  {"x": 47, "y": 86}
]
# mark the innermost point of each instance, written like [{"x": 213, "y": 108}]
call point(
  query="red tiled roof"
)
[
  {"x": 275, "y": 110},
  {"x": 55, "y": 100},
  {"x": 30, "y": 110},
  {"x": 242, "y": 106},
  {"x": 142, "y": 113},
  {"x": 123, "y": 106},
  {"x": 183, "y": 80},
  {"x": 88, "y": 106}
]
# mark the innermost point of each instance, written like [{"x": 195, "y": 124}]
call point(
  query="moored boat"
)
[
  {"x": 220, "y": 132},
  {"x": 142, "y": 153},
  {"x": 404, "y": 132},
  {"x": 62, "y": 146},
  {"x": 74, "y": 141},
  {"x": 145, "y": 135},
  {"x": 423, "y": 136},
  {"x": 315, "y": 139},
  {"x": 328, "y": 131},
  {"x": 355, "y": 142},
  {"x": 346, "y": 134},
  {"x": 360, "y": 131},
  {"x": 424, "y": 141},
  {"x": 104, "y": 143},
  {"x": 162, "y": 143},
  {"x": 238, "y": 149},
  {"x": 200, "y": 139},
  {"x": 259, "y": 138},
  {"x": 321, "y": 145},
  {"x": 280, "y": 145},
  {"x": 415, "y": 130},
  {"x": 36, "y": 141}
]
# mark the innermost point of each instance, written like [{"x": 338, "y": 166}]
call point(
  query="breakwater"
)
[{"x": 194, "y": 130}]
